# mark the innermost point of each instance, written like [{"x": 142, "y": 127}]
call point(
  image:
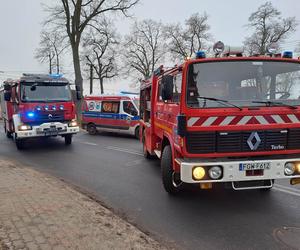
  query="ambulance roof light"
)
[{"x": 56, "y": 76}]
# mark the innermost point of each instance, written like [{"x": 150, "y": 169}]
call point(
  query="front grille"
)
[
  {"x": 238, "y": 141},
  {"x": 50, "y": 117}
]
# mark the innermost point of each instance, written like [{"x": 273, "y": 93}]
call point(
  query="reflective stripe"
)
[
  {"x": 244, "y": 120},
  {"x": 192, "y": 121},
  {"x": 293, "y": 118},
  {"x": 277, "y": 118},
  {"x": 209, "y": 121},
  {"x": 261, "y": 119},
  {"x": 227, "y": 120}
]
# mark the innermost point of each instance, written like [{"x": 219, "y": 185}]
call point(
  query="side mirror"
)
[
  {"x": 78, "y": 93},
  {"x": 167, "y": 87},
  {"x": 7, "y": 87},
  {"x": 7, "y": 96}
]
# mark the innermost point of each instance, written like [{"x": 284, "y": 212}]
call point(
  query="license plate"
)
[
  {"x": 254, "y": 166},
  {"x": 51, "y": 131}
]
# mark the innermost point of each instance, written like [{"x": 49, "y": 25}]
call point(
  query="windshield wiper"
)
[
  {"x": 220, "y": 101},
  {"x": 271, "y": 103}
]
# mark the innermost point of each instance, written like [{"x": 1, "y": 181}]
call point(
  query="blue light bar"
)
[
  {"x": 56, "y": 76},
  {"x": 30, "y": 114},
  {"x": 200, "y": 54},
  {"x": 128, "y": 93},
  {"x": 287, "y": 54}
]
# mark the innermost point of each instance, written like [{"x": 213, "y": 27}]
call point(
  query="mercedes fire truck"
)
[
  {"x": 229, "y": 119},
  {"x": 38, "y": 106}
]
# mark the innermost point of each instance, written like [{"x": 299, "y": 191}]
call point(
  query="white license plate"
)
[{"x": 254, "y": 166}]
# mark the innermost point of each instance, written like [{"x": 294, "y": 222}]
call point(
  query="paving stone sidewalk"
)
[{"x": 38, "y": 211}]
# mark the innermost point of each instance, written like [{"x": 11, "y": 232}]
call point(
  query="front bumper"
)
[
  {"x": 48, "y": 129},
  {"x": 232, "y": 172}
]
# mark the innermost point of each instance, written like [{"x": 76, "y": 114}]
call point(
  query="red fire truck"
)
[
  {"x": 38, "y": 106},
  {"x": 228, "y": 120}
]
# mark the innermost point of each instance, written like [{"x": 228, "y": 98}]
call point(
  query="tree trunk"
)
[
  {"x": 101, "y": 85},
  {"x": 57, "y": 64},
  {"x": 50, "y": 65},
  {"x": 91, "y": 78},
  {"x": 78, "y": 77}
]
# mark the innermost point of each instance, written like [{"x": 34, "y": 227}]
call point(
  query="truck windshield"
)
[
  {"x": 243, "y": 83},
  {"x": 45, "y": 92}
]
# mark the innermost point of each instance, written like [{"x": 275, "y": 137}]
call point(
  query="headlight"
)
[
  {"x": 24, "y": 127},
  {"x": 289, "y": 168},
  {"x": 73, "y": 123},
  {"x": 198, "y": 173},
  {"x": 215, "y": 172}
]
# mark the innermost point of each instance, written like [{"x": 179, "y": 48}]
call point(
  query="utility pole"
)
[{"x": 91, "y": 77}]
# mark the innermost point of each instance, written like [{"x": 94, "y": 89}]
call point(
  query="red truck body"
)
[
  {"x": 38, "y": 106},
  {"x": 246, "y": 141}
]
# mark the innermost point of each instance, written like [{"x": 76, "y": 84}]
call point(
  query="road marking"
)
[
  {"x": 288, "y": 188},
  {"x": 124, "y": 150},
  {"x": 286, "y": 191},
  {"x": 89, "y": 143}
]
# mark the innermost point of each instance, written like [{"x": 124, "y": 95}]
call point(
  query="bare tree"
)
[
  {"x": 184, "y": 42},
  {"x": 52, "y": 44},
  {"x": 268, "y": 27},
  {"x": 144, "y": 47},
  {"x": 100, "y": 50},
  {"x": 75, "y": 15}
]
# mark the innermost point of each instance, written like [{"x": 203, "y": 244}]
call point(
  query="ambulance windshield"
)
[
  {"x": 45, "y": 92},
  {"x": 243, "y": 83}
]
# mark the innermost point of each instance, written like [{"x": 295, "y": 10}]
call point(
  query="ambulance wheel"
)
[
  {"x": 137, "y": 132},
  {"x": 170, "y": 179},
  {"x": 91, "y": 128},
  {"x": 19, "y": 143},
  {"x": 68, "y": 139}
]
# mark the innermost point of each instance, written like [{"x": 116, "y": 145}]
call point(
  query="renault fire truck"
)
[
  {"x": 38, "y": 106},
  {"x": 229, "y": 120}
]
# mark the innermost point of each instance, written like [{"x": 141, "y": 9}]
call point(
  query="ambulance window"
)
[
  {"x": 129, "y": 108},
  {"x": 110, "y": 107}
]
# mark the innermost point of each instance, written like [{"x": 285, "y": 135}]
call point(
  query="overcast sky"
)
[{"x": 21, "y": 22}]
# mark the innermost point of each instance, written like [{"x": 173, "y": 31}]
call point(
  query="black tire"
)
[
  {"x": 68, "y": 139},
  {"x": 146, "y": 154},
  {"x": 19, "y": 143},
  {"x": 91, "y": 129},
  {"x": 171, "y": 182},
  {"x": 8, "y": 134},
  {"x": 137, "y": 132}
]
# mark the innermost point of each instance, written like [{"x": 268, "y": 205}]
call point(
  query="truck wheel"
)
[
  {"x": 91, "y": 128},
  {"x": 171, "y": 182},
  {"x": 8, "y": 134},
  {"x": 137, "y": 132},
  {"x": 68, "y": 139},
  {"x": 145, "y": 151},
  {"x": 19, "y": 143}
]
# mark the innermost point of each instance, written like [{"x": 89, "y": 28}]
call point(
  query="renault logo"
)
[
  {"x": 50, "y": 116},
  {"x": 254, "y": 141}
]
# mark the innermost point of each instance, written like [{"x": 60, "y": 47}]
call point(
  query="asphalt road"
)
[{"x": 112, "y": 168}]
